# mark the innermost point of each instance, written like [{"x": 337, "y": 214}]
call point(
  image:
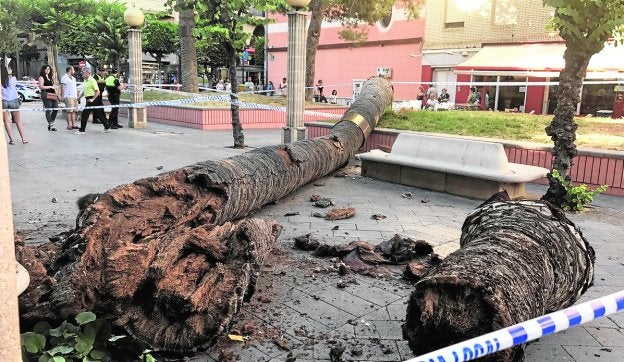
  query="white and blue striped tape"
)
[
  {"x": 527, "y": 331},
  {"x": 220, "y": 98}
]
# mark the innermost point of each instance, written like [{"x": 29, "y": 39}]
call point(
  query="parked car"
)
[{"x": 27, "y": 93}]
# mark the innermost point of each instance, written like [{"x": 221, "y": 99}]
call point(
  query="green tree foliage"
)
[
  {"x": 100, "y": 34},
  {"x": 12, "y": 23},
  {"x": 221, "y": 22},
  {"x": 585, "y": 25},
  {"x": 159, "y": 37},
  {"x": 50, "y": 20}
]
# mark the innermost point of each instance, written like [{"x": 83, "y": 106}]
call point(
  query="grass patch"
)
[{"x": 596, "y": 132}]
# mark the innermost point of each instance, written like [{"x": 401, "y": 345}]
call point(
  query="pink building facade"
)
[{"x": 393, "y": 47}]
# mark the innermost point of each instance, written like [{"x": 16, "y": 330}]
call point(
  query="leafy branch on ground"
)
[
  {"x": 90, "y": 339},
  {"x": 576, "y": 197}
]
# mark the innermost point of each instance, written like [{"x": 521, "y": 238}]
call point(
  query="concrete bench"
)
[{"x": 458, "y": 166}]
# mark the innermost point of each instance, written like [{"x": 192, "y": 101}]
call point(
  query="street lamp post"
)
[
  {"x": 295, "y": 129},
  {"x": 137, "y": 117}
]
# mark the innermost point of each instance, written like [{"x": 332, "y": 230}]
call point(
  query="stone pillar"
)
[
  {"x": 137, "y": 116},
  {"x": 295, "y": 129},
  {"x": 10, "y": 349}
]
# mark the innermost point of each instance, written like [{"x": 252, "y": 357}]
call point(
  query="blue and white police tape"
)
[
  {"x": 220, "y": 98},
  {"x": 527, "y": 331}
]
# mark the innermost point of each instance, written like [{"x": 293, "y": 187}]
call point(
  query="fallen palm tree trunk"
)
[
  {"x": 518, "y": 260},
  {"x": 165, "y": 257}
]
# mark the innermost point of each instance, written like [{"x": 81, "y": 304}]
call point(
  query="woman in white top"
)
[
  {"x": 10, "y": 101},
  {"x": 69, "y": 93},
  {"x": 220, "y": 86}
]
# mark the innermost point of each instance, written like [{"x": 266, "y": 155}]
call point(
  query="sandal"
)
[
  {"x": 24, "y": 141},
  {"x": 50, "y": 128},
  {"x": 11, "y": 142}
]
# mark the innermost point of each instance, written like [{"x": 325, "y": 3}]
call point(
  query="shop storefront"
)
[{"x": 522, "y": 77}]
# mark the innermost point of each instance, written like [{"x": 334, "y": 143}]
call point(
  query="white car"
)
[{"x": 27, "y": 93}]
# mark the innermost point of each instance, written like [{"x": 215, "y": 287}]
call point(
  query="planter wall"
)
[
  {"x": 592, "y": 167},
  {"x": 221, "y": 118}
]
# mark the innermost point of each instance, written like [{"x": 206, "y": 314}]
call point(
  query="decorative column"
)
[
  {"x": 9, "y": 315},
  {"x": 137, "y": 116},
  {"x": 295, "y": 129}
]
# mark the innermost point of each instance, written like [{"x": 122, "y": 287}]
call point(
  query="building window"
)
[
  {"x": 504, "y": 12},
  {"x": 454, "y": 17}
]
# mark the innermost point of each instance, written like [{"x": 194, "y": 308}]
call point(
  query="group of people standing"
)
[
  {"x": 94, "y": 85},
  {"x": 67, "y": 93}
]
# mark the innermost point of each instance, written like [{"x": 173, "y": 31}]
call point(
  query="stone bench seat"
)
[{"x": 454, "y": 165}]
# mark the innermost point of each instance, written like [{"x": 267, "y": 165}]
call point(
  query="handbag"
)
[{"x": 51, "y": 96}]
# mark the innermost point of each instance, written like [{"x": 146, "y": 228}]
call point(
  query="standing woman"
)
[
  {"x": 10, "y": 101},
  {"x": 46, "y": 84}
]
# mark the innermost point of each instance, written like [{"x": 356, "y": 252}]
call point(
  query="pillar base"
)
[
  {"x": 290, "y": 135},
  {"x": 137, "y": 118}
]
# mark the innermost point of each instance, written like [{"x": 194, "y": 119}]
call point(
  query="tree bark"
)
[
  {"x": 52, "y": 51},
  {"x": 188, "y": 54},
  {"x": 518, "y": 260},
  {"x": 169, "y": 258},
  {"x": 312, "y": 41},
  {"x": 562, "y": 129},
  {"x": 237, "y": 127}
]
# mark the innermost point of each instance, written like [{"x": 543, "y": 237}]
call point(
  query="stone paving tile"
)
[
  {"x": 374, "y": 293},
  {"x": 398, "y": 310},
  {"x": 347, "y": 301},
  {"x": 380, "y": 314},
  {"x": 608, "y": 337},
  {"x": 318, "y": 310},
  {"x": 570, "y": 337},
  {"x": 537, "y": 352},
  {"x": 389, "y": 329},
  {"x": 595, "y": 354},
  {"x": 404, "y": 351},
  {"x": 372, "y": 350}
]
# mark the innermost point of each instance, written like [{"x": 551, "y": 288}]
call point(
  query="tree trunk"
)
[
  {"x": 518, "y": 260},
  {"x": 169, "y": 258},
  {"x": 188, "y": 54},
  {"x": 52, "y": 52},
  {"x": 562, "y": 129},
  {"x": 314, "y": 33},
  {"x": 237, "y": 127}
]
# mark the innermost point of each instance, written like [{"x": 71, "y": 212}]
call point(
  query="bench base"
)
[{"x": 439, "y": 181}]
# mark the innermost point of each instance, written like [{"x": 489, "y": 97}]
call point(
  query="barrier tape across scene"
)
[
  {"x": 527, "y": 331},
  {"x": 222, "y": 98},
  {"x": 226, "y": 97}
]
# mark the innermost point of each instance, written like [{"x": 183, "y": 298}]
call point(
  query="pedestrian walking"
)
[
  {"x": 48, "y": 95},
  {"x": 94, "y": 99},
  {"x": 69, "y": 95},
  {"x": 10, "y": 104},
  {"x": 114, "y": 88}
]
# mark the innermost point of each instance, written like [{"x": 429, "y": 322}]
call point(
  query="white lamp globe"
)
[
  {"x": 134, "y": 17},
  {"x": 298, "y": 4}
]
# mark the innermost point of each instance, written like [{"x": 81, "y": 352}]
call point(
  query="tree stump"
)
[
  {"x": 518, "y": 260},
  {"x": 171, "y": 258}
]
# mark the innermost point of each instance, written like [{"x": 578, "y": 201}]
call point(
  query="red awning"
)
[{"x": 546, "y": 58}]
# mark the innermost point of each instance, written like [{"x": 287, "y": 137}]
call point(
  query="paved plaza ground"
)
[{"x": 298, "y": 306}]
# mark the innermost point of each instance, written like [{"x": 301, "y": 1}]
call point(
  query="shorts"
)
[
  {"x": 71, "y": 103},
  {"x": 12, "y": 104}
]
